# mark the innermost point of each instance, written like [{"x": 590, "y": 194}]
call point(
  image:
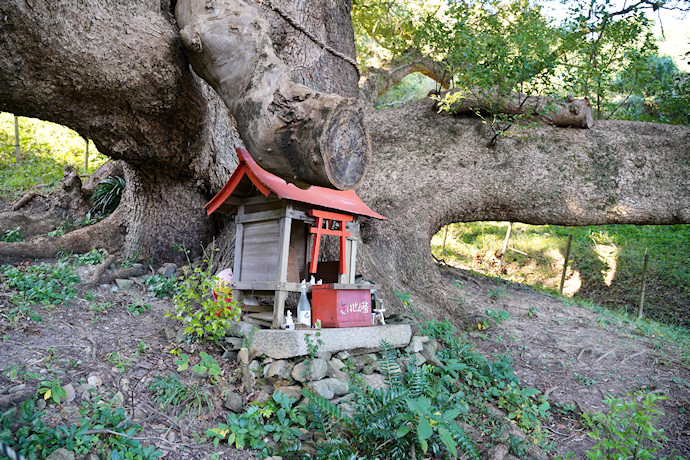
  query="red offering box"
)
[{"x": 341, "y": 305}]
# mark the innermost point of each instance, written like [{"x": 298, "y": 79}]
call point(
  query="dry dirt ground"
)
[
  {"x": 578, "y": 358},
  {"x": 565, "y": 351}
]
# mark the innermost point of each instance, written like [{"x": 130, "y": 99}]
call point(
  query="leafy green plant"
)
[
  {"x": 121, "y": 362},
  {"x": 160, "y": 286},
  {"x": 52, "y": 390},
  {"x": 423, "y": 422},
  {"x": 21, "y": 313},
  {"x": 101, "y": 429},
  {"x": 207, "y": 365},
  {"x": 313, "y": 345},
  {"x": 42, "y": 283},
  {"x": 100, "y": 307},
  {"x": 246, "y": 429},
  {"x": 12, "y": 235},
  {"x": 138, "y": 308},
  {"x": 249, "y": 338},
  {"x": 278, "y": 419},
  {"x": 627, "y": 429},
  {"x": 68, "y": 225},
  {"x": 185, "y": 398},
  {"x": 107, "y": 195},
  {"x": 497, "y": 293},
  {"x": 196, "y": 308},
  {"x": 499, "y": 316},
  {"x": 93, "y": 257}
]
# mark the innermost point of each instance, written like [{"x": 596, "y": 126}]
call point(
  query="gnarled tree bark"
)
[
  {"x": 295, "y": 132},
  {"x": 616, "y": 172}
]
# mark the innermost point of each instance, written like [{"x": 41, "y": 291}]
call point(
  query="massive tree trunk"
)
[{"x": 117, "y": 72}]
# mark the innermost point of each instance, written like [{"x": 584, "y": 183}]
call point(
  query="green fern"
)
[
  {"x": 465, "y": 444},
  {"x": 319, "y": 422},
  {"x": 337, "y": 449},
  {"x": 416, "y": 381},
  {"x": 324, "y": 414},
  {"x": 388, "y": 364}
]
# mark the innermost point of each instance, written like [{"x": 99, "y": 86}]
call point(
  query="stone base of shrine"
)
[{"x": 281, "y": 344}]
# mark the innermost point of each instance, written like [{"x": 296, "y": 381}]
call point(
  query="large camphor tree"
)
[{"x": 280, "y": 78}]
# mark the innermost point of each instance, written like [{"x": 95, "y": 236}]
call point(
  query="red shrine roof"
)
[{"x": 267, "y": 183}]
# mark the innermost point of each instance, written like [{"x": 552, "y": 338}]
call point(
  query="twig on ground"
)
[
  {"x": 608, "y": 353},
  {"x": 635, "y": 355},
  {"x": 557, "y": 432},
  {"x": 582, "y": 352}
]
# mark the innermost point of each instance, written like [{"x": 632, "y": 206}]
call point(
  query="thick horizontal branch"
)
[
  {"x": 377, "y": 81},
  {"x": 576, "y": 113},
  {"x": 433, "y": 169}
]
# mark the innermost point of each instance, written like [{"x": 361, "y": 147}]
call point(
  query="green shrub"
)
[
  {"x": 627, "y": 429},
  {"x": 42, "y": 283},
  {"x": 194, "y": 305},
  {"x": 100, "y": 429},
  {"x": 160, "y": 286},
  {"x": 107, "y": 195}
]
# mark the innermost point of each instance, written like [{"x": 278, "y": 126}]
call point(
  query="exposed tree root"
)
[
  {"x": 98, "y": 272},
  {"x": 24, "y": 200},
  {"x": 107, "y": 234},
  {"x": 30, "y": 225}
]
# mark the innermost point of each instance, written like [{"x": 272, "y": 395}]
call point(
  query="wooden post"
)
[
  {"x": 445, "y": 236},
  {"x": 505, "y": 242},
  {"x": 644, "y": 284},
  {"x": 565, "y": 263},
  {"x": 17, "y": 150},
  {"x": 281, "y": 277},
  {"x": 86, "y": 157},
  {"x": 243, "y": 358}
]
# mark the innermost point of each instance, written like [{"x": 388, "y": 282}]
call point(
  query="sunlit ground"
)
[
  {"x": 45, "y": 149},
  {"x": 605, "y": 263}
]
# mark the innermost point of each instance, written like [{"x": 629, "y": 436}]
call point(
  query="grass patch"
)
[
  {"x": 45, "y": 150},
  {"x": 605, "y": 261}
]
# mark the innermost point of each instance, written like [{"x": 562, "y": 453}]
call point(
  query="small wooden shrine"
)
[{"x": 279, "y": 232}]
